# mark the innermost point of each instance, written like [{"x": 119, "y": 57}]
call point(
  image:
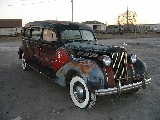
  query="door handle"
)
[{"x": 27, "y": 45}]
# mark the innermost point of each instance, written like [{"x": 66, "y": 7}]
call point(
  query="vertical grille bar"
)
[{"x": 120, "y": 65}]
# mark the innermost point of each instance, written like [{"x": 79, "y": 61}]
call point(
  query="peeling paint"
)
[{"x": 84, "y": 65}]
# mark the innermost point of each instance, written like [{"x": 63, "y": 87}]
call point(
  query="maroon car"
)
[{"x": 69, "y": 54}]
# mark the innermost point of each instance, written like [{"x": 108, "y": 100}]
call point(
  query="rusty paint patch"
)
[
  {"x": 85, "y": 66},
  {"x": 62, "y": 71}
]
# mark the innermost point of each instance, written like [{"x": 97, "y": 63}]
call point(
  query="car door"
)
[
  {"x": 48, "y": 48},
  {"x": 26, "y": 42},
  {"x": 34, "y": 42}
]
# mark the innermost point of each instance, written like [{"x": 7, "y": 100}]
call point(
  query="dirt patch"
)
[
  {"x": 10, "y": 39},
  {"x": 127, "y": 36}
]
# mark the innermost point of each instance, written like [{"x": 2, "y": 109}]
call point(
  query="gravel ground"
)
[{"x": 28, "y": 95}]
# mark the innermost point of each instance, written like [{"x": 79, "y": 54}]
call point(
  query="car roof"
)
[{"x": 59, "y": 25}]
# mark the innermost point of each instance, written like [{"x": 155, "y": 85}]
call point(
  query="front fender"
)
[
  {"x": 90, "y": 72},
  {"x": 140, "y": 68}
]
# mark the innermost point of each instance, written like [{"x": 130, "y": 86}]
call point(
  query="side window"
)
[
  {"x": 49, "y": 35},
  {"x": 87, "y": 35},
  {"x": 27, "y": 32},
  {"x": 36, "y": 33},
  {"x": 70, "y": 34}
]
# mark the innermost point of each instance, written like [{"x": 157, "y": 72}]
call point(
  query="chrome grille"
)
[{"x": 119, "y": 63}]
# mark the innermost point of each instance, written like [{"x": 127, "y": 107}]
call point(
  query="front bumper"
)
[{"x": 119, "y": 88}]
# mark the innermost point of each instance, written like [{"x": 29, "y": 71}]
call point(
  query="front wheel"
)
[{"x": 80, "y": 95}]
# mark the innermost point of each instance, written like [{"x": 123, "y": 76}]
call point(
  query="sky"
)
[{"x": 105, "y": 11}]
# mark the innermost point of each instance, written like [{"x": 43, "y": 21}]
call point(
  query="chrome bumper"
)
[{"x": 119, "y": 89}]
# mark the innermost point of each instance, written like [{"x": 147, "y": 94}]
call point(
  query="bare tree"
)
[{"x": 127, "y": 19}]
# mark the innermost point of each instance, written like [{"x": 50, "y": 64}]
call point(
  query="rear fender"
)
[
  {"x": 60, "y": 58},
  {"x": 20, "y": 52}
]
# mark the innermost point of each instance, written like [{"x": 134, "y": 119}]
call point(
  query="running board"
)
[{"x": 44, "y": 71}]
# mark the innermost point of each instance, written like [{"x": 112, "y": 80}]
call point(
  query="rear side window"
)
[
  {"x": 49, "y": 35},
  {"x": 36, "y": 33}
]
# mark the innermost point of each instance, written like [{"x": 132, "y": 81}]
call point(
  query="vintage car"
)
[{"x": 69, "y": 54}]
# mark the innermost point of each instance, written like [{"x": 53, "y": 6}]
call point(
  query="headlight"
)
[
  {"x": 106, "y": 60},
  {"x": 133, "y": 58}
]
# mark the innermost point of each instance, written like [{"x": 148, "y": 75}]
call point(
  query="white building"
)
[
  {"x": 96, "y": 26},
  {"x": 10, "y": 26},
  {"x": 148, "y": 27}
]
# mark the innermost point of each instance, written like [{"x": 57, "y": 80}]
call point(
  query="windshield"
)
[{"x": 79, "y": 35}]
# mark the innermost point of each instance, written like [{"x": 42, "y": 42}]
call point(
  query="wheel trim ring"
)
[
  {"x": 85, "y": 103},
  {"x": 23, "y": 62}
]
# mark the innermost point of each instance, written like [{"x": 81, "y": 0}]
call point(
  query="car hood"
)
[{"x": 93, "y": 47}]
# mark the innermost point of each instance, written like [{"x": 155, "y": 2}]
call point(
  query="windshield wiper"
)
[{"x": 71, "y": 40}]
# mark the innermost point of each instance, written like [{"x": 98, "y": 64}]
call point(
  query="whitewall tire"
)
[
  {"x": 80, "y": 95},
  {"x": 24, "y": 64}
]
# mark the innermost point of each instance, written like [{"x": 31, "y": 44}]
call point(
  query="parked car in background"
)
[
  {"x": 158, "y": 31},
  {"x": 69, "y": 54},
  {"x": 13, "y": 34}
]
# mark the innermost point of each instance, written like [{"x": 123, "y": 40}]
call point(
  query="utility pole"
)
[
  {"x": 127, "y": 20},
  {"x": 72, "y": 10}
]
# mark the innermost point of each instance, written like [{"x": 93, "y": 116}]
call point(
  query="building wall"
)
[
  {"x": 157, "y": 26},
  {"x": 149, "y": 27},
  {"x": 99, "y": 26},
  {"x": 10, "y": 26},
  {"x": 9, "y": 31},
  {"x": 10, "y": 23}
]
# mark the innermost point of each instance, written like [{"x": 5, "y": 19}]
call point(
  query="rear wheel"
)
[
  {"x": 80, "y": 95},
  {"x": 24, "y": 64}
]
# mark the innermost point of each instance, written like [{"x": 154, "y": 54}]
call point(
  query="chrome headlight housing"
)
[
  {"x": 133, "y": 58},
  {"x": 106, "y": 60}
]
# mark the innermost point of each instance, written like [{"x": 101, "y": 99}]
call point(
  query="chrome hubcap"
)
[{"x": 79, "y": 93}]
